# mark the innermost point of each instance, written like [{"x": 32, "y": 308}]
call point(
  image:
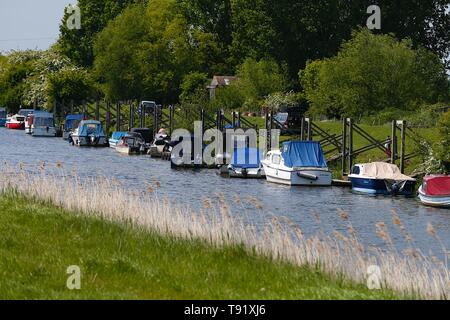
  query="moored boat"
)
[
  {"x": 160, "y": 145},
  {"x": 435, "y": 191},
  {"x": 43, "y": 124},
  {"x": 89, "y": 134},
  {"x": 131, "y": 143},
  {"x": 380, "y": 178},
  {"x": 298, "y": 163},
  {"x": 115, "y": 138},
  {"x": 71, "y": 123},
  {"x": 246, "y": 163},
  {"x": 15, "y": 122}
]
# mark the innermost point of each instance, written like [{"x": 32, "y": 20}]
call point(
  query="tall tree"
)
[
  {"x": 95, "y": 15},
  {"x": 373, "y": 73}
]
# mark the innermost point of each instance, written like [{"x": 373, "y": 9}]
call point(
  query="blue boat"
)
[
  {"x": 246, "y": 163},
  {"x": 3, "y": 117},
  {"x": 89, "y": 133},
  {"x": 71, "y": 123},
  {"x": 379, "y": 178},
  {"x": 116, "y": 138}
]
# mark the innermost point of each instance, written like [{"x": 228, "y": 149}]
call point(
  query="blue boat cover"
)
[
  {"x": 90, "y": 127},
  {"x": 301, "y": 154},
  {"x": 70, "y": 120},
  {"x": 118, "y": 135},
  {"x": 247, "y": 158}
]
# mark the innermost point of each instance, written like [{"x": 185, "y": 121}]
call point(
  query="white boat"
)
[
  {"x": 89, "y": 133},
  {"x": 298, "y": 163},
  {"x": 43, "y": 125},
  {"x": 131, "y": 143},
  {"x": 160, "y": 144},
  {"x": 15, "y": 122},
  {"x": 115, "y": 138}
]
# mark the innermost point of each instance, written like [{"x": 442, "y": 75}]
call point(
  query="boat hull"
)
[
  {"x": 128, "y": 150},
  {"x": 113, "y": 143},
  {"x": 434, "y": 201},
  {"x": 2, "y": 122},
  {"x": 251, "y": 173},
  {"x": 298, "y": 177},
  {"x": 379, "y": 187},
  {"x": 15, "y": 126},
  {"x": 44, "y": 132}
]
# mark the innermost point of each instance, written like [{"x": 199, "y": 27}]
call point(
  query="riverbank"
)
[
  {"x": 338, "y": 256},
  {"x": 40, "y": 241}
]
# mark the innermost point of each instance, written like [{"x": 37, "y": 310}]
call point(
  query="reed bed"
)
[{"x": 411, "y": 273}]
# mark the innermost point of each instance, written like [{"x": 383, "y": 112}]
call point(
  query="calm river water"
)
[{"x": 189, "y": 188}]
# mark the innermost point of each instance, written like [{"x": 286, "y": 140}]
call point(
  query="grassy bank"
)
[
  {"x": 38, "y": 242},
  {"x": 338, "y": 256}
]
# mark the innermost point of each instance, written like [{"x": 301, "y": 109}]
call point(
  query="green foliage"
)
[
  {"x": 12, "y": 83},
  {"x": 69, "y": 84},
  {"x": 280, "y": 100},
  {"x": 193, "y": 88},
  {"x": 371, "y": 74},
  {"x": 442, "y": 148},
  {"x": 256, "y": 80},
  {"x": 148, "y": 51},
  {"x": 95, "y": 15}
]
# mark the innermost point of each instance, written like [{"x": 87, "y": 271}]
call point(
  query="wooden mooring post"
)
[
  {"x": 350, "y": 144},
  {"x": 344, "y": 147},
  {"x": 403, "y": 126},
  {"x": 108, "y": 116},
  {"x": 131, "y": 115},
  {"x": 118, "y": 126},
  {"x": 394, "y": 142},
  {"x": 171, "y": 119},
  {"x": 97, "y": 110}
]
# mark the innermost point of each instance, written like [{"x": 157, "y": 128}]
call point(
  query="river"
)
[{"x": 313, "y": 210}]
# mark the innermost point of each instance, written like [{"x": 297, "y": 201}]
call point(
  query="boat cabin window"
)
[
  {"x": 276, "y": 159},
  {"x": 20, "y": 119},
  {"x": 44, "y": 122},
  {"x": 356, "y": 170}
]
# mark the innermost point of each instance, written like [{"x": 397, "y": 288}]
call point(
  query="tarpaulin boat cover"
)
[
  {"x": 303, "y": 154},
  {"x": 71, "y": 119},
  {"x": 118, "y": 135},
  {"x": 90, "y": 127},
  {"x": 247, "y": 158},
  {"x": 437, "y": 185},
  {"x": 385, "y": 171}
]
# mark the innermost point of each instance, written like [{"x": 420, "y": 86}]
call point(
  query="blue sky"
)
[{"x": 30, "y": 24}]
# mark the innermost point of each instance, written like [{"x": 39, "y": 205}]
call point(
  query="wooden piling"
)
[
  {"x": 403, "y": 146},
  {"x": 108, "y": 116},
  {"x": 344, "y": 146},
  {"x": 394, "y": 142},
  {"x": 350, "y": 144},
  {"x": 97, "y": 110}
]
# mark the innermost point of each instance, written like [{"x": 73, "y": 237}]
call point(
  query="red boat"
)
[
  {"x": 435, "y": 191},
  {"x": 16, "y": 122}
]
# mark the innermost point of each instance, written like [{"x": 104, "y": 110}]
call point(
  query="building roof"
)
[{"x": 221, "y": 81}]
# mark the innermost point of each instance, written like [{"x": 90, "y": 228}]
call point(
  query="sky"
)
[{"x": 30, "y": 24}]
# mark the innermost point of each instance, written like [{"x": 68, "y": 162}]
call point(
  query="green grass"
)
[{"x": 38, "y": 242}]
